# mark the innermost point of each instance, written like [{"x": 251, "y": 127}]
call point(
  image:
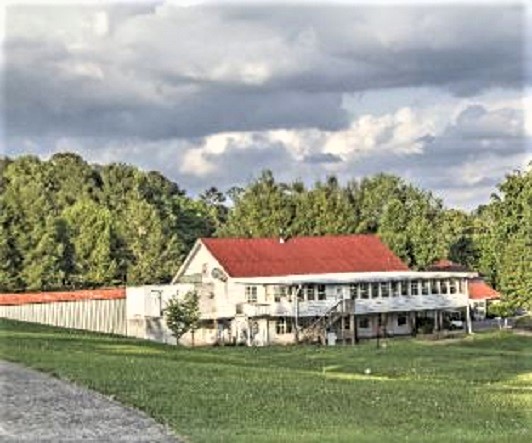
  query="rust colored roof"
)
[
  {"x": 480, "y": 290},
  {"x": 268, "y": 257},
  {"x": 50, "y": 297},
  {"x": 445, "y": 265}
]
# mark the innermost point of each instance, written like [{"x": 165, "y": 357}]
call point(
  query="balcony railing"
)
[{"x": 253, "y": 309}]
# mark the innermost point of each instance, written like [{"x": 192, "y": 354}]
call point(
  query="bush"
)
[{"x": 524, "y": 322}]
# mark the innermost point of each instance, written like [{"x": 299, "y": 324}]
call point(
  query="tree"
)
[
  {"x": 182, "y": 314},
  {"x": 323, "y": 210},
  {"x": 264, "y": 209},
  {"x": 214, "y": 200},
  {"x": 370, "y": 198},
  {"x": 93, "y": 236},
  {"x": 48, "y": 265},
  {"x": 392, "y": 230},
  {"x": 503, "y": 237}
]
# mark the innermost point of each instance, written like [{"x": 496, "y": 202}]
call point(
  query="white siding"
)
[{"x": 108, "y": 316}]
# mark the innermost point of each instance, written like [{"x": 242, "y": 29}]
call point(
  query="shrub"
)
[{"x": 524, "y": 322}]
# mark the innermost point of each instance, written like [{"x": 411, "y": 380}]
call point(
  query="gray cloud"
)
[
  {"x": 325, "y": 157},
  {"x": 163, "y": 71}
]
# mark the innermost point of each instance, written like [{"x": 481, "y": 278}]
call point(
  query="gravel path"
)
[{"x": 37, "y": 407}]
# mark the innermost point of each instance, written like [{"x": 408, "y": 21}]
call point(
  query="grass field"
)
[{"x": 478, "y": 389}]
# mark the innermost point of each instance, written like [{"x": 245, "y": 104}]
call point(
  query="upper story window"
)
[
  {"x": 443, "y": 287},
  {"x": 396, "y": 288},
  {"x": 434, "y": 287},
  {"x": 404, "y": 288},
  {"x": 385, "y": 289},
  {"x": 309, "y": 292},
  {"x": 425, "y": 287},
  {"x": 364, "y": 290},
  {"x": 453, "y": 286},
  {"x": 353, "y": 291},
  {"x": 251, "y": 294},
  {"x": 375, "y": 290},
  {"x": 321, "y": 292},
  {"x": 279, "y": 292},
  {"x": 414, "y": 288}
]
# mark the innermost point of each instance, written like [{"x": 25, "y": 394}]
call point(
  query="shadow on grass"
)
[
  {"x": 412, "y": 387},
  {"x": 484, "y": 358}
]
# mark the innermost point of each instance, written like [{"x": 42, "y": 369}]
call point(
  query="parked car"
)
[{"x": 454, "y": 320}]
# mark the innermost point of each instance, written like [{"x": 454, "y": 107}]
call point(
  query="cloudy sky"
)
[{"x": 211, "y": 94}]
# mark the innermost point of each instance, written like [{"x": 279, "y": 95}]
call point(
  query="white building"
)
[{"x": 265, "y": 291}]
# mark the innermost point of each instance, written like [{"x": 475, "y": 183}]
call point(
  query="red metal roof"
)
[
  {"x": 268, "y": 257},
  {"x": 50, "y": 297},
  {"x": 480, "y": 290},
  {"x": 445, "y": 265}
]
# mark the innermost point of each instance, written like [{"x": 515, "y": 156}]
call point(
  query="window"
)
[
  {"x": 309, "y": 291},
  {"x": 414, "y": 288},
  {"x": 443, "y": 286},
  {"x": 353, "y": 291},
  {"x": 385, "y": 290},
  {"x": 396, "y": 288},
  {"x": 404, "y": 289},
  {"x": 434, "y": 289},
  {"x": 283, "y": 325},
  {"x": 425, "y": 287},
  {"x": 374, "y": 290},
  {"x": 401, "y": 319},
  {"x": 251, "y": 294},
  {"x": 321, "y": 292},
  {"x": 363, "y": 323},
  {"x": 279, "y": 292},
  {"x": 453, "y": 286},
  {"x": 364, "y": 290}
]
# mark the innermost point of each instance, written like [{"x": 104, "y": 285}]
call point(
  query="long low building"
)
[{"x": 304, "y": 289}]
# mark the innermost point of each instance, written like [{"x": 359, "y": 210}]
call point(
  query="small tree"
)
[{"x": 182, "y": 314}]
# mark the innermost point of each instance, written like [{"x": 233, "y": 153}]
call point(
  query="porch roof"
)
[{"x": 350, "y": 277}]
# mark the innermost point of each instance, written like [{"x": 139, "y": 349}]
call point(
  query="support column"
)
[
  {"x": 342, "y": 326},
  {"x": 468, "y": 320},
  {"x": 352, "y": 328},
  {"x": 218, "y": 338}
]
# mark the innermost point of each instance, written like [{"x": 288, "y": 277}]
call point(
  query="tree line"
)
[{"x": 69, "y": 224}]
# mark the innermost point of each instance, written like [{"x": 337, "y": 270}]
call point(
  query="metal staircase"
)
[{"x": 316, "y": 331}]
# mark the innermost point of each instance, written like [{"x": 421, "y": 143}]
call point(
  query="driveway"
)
[{"x": 37, "y": 407}]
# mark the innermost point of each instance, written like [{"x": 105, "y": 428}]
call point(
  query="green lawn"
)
[{"x": 476, "y": 389}]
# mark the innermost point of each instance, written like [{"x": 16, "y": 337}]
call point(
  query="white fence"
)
[{"x": 99, "y": 315}]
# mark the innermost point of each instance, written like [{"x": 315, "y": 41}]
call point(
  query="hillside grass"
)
[{"x": 477, "y": 389}]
